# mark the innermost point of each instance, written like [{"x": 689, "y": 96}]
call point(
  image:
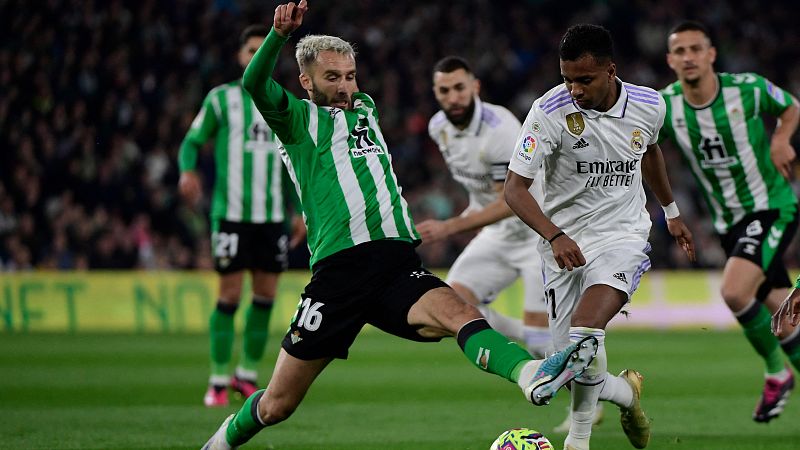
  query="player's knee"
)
[
  {"x": 275, "y": 410},
  {"x": 735, "y": 298},
  {"x": 230, "y": 295}
]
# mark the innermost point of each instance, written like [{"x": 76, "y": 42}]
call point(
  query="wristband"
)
[
  {"x": 671, "y": 211},
  {"x": 556, "y": 236}
]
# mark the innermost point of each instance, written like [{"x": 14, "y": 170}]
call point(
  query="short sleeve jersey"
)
[
  {"x": 249, "y": 181},
  {"x": 337, "y": 159},
  {"x": 592, "y": 163},
  {"x": 478, "y": 157},
  {"x": 727, "y": 147}
]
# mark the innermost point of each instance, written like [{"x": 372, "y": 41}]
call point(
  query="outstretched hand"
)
[
  {"x": 682, "y": 236},
  {"x": 289, "y": 17},
  {"x": 788, "y": 311},
  {"x": 433, "y": 230}
]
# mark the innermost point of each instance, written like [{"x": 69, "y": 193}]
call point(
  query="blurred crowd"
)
[{"x": 96, "y": 96}]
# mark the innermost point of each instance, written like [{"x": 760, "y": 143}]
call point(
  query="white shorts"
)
[
  {"x": 619, "y": 265},
  {"x": 490, "y": 264}
]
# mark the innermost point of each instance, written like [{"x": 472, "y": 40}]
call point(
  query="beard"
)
[
  {"x": 321, "y": 99},
  {"x": 463, "y": 119}
]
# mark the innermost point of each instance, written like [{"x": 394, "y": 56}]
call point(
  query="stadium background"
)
[{"x": 95, "y": 97}]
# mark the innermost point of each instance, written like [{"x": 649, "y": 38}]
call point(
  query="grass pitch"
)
[{"x": 145, "y": 392}]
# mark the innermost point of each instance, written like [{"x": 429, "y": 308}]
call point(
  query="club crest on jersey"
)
[
  {"x": 536, "y": 127},
  {"x": 575, "y": 123},
  {"x": 637, "y": 141},
  {"x": 527, "y": 146}
]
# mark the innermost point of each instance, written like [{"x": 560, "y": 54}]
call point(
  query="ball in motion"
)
[{"x": 521, "y": 439}]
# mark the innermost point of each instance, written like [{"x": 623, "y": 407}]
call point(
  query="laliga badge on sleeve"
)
[{"x": 525, "y": 151}]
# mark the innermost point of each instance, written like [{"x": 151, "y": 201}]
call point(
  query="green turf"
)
[{"x": 144, "y": 392}]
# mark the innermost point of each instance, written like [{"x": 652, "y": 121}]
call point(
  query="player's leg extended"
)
[
  {"x": 505, "y": 325},
  {"x": 778, "y": 282},
  {"x": 597, "y": 306},
  {"x": 740, "y": 281},
  {"x": 482, "y": 270},
  {"x": 221, "y": 334},
  {"x": 790, "y": 335},
  {"x": 535, "y": 325},
  {"x": 256, "y": 331},
  {"x": 289, "y": 384},
  {"x": 440, "y": 312},
  {"x": 608, "y": 281}
]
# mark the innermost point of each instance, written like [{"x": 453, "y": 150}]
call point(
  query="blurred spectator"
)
[{"x": 96, "y": 97}]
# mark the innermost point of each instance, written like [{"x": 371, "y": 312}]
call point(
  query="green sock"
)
[
  {"x": 256, "y": 331},
  {"x": 245, "y": 423},
  {"x": 491, "y": 351},
  {"x": 221, "y": 333},
  {"x": 756, "y": 320},
  {"x": 791, "y": 346}
]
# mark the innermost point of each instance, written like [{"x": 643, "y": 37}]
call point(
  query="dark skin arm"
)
[
  {"x": 565, "y": 251},
  {"x": 654, "y": 173}
]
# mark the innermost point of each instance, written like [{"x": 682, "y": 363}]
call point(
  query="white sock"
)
[
  {"x": 781, "y": 376},
  {"x": 507, "y": 326},
  {"x": 219, "y": 380},
  {"x": 527, "y": 372},
  {"x": 586, "y": 388},
  {"x": 617, "y": 391},
  {"x": 538, "y": 341},
  {"x": 243, "y": 374}
]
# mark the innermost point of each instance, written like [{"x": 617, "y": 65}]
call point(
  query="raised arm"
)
[
  {"x": 267, "y": 94},
  {"x": 655, "y": 175}
]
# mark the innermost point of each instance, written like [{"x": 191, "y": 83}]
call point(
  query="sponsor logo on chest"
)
[{"x": 361, "y": 144}]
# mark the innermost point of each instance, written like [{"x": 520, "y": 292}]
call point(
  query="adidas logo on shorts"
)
[
  {"x": 580, "y": 144},
  {"x": 621, "y": 277}
]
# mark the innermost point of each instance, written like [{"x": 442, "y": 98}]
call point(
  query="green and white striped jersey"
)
[
  {"x": 338, "y": 160},
  {"x": 250, "y": 183},
  {"x": 727, "y": 148}
]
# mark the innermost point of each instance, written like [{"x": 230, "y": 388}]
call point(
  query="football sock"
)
[
  {"x": 507, "y": 326},
  {"x": 755, "y": 319},
  {"x": 490, "y": 351},
  {"x": 791, "y": 346},
  {"x": 246, "y": 423},
  {"x": 538, "y": 341},
  {"x": 221, "y": 333},
  {"x": 586, "y": 388},
  {"x": 256, "y": 330},
  {"x": 616, "y": 390}
]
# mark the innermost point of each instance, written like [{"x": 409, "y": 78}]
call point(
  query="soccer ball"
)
[{"x": 521, "y": 439}]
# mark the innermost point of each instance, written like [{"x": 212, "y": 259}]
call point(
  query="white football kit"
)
[
  {"x": 593, "y": 190},
  {"x": 478, "y": 158}
]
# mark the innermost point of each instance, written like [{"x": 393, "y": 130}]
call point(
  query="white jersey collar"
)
[{"x": 617, "y": 111}]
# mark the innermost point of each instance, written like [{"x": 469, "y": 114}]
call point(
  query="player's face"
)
[
  {"x": 455, "y": 91},
  {"x": 331, "y": 80},
  {"x": 249, "y": 48},
  {"x": 589, "y": 81},
  {"x": 691, "y": 55}
]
